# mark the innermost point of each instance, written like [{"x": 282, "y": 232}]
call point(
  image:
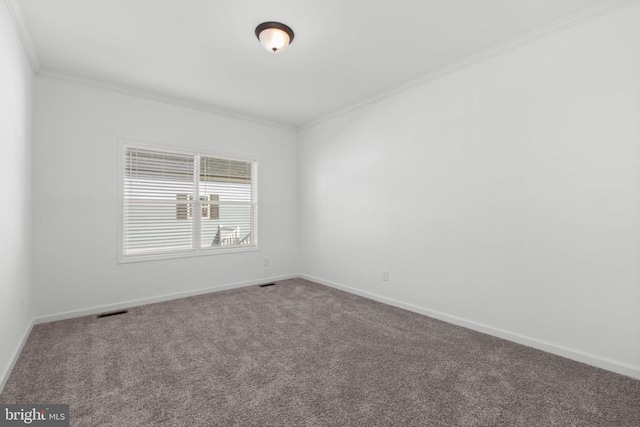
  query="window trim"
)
[{"x": 196, "y": 251}]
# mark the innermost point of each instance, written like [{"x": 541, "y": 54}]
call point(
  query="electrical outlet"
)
[
  {"x": 385, "y": 276},
  {"x": 266, "y": 262}
]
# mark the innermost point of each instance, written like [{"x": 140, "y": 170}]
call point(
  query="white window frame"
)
[{"x": 197, "y": 250}]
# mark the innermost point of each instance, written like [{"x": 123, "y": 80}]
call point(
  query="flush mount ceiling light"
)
[{"x": 274, "y": 36}]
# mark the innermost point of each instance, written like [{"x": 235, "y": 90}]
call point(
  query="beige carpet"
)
[{"x": 299, "y": 353}]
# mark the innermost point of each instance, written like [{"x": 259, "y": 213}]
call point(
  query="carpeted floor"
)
[{"x": 299, "y": 353}]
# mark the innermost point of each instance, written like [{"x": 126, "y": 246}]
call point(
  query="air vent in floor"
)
[
  {"x": 112, "y": 313},
  {"x": 267, "y": 284}
]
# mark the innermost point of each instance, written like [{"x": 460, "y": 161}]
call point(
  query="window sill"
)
[{"x": 126, "y": 259}]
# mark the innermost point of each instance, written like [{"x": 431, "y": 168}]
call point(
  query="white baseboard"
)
[
  {"x": 14, "y": 357},
  {"x": 150, "y": 300},
  {"x": 569, "y": 353}
]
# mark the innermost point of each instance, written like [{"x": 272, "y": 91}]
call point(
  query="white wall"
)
[
  {"x": 16, "y": 81},
  {"x": 76, "y": 224},
  {"x": 504, "y": 196}
]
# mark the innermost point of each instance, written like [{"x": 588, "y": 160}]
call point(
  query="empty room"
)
[{"x": 320, "y": 213}]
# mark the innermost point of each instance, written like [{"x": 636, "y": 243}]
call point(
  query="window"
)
[{"x": 178, "y": 203}]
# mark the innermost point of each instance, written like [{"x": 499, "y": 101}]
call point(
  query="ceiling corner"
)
[{"x": 15, "y": 11}]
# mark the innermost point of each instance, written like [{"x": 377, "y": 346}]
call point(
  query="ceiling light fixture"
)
[{"x": 274, "y": 36}]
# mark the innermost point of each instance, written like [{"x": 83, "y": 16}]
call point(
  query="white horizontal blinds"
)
[
  {"x": 228, "y": 209},
  {"x": 159, "y": 197}
]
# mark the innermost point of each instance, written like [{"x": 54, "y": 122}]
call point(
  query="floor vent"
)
[
  {"x": 112, "y": 313},
  {"x": 267, "y": 284}
]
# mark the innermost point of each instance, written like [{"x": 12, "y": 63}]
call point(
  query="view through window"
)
[{"x": 181, "y": 202}]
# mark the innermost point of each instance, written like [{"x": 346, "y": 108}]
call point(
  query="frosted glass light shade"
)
[
  {"x": 274, "y": 36},
  {"x": 274, "y": 40}
]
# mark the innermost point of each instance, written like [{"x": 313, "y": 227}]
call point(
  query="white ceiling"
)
[{"x": 344, "y": 51}]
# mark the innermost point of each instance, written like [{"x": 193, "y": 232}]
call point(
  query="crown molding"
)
[
  {"x": 15, "y": 11},
  {"x": 601, "y": 8},
  {"x": 153, "y": 96}
]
